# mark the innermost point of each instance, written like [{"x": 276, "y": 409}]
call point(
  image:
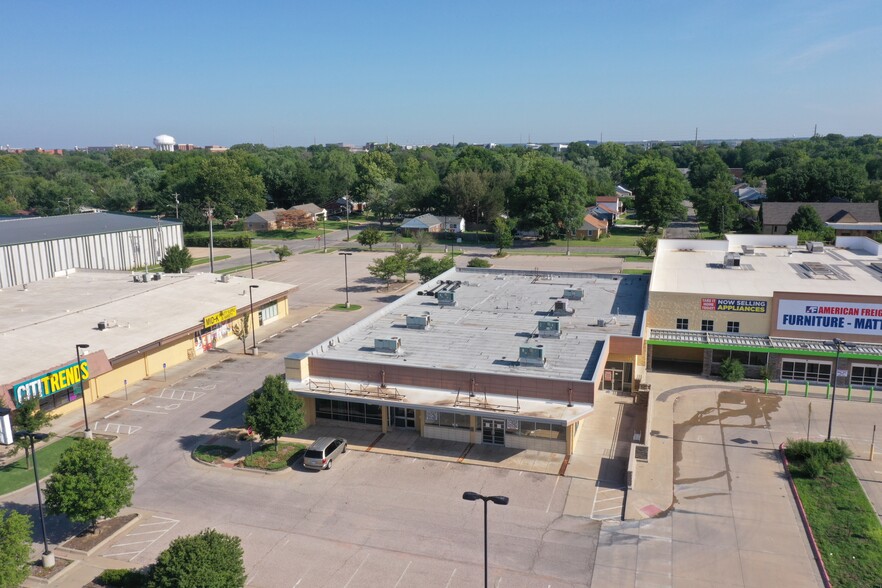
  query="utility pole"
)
[
  {"x": 696, "y": 136},
  {"x": 177, "y": 202},
  {"x": 209, "y": 212},
  {"x": 158, "y": 217}
]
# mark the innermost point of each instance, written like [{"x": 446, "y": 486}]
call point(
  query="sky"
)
[{"x": 292, "y": 72}]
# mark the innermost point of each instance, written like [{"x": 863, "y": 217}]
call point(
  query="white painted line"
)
[
  {"x": 358, "y": 569},
  {"x": 402, "y": 574},
  {"x": 298, "y": 583},
  {"x": 146, "y": 533},
  {"x": 451, "y": 578},
  {"x": 124, "y": 553},
  {"x": 556, "y": 480},
  {"x": 147, "y": 411},
  {"x": 139, "y": 401},
  {"x": 107, "y": 416},
  {"x": 134, "y": 543}
]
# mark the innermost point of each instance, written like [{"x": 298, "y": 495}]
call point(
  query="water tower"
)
[{"x": 164, "y": 143}]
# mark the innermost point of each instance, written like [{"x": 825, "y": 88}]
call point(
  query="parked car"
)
[{"x": 322, "y": 453}]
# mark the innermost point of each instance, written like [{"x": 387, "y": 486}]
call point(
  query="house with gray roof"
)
[
  {"x": 264, "y": 220},
  {"x": 315, "y": 212},
  {"x": 839, "y": 215},
  {"x": 433, "y": 224}
]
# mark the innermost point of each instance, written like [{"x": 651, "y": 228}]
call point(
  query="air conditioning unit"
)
[
  {"x": 747, "y": 249},
  {"x": 533, "y": 355},
  {"x": 419, "y": 321},
  {"x": 573, "y": 293},
  {"x": 225, "y": 278},
  {"x": 815, "y": 246},
  {"x": 732, "y": 259},
  {"x": 562, "y": 307},
  {"x": 549, "y": 328},
  {"x": 390, "y": 345},
  {"x": 446, "y": 297}
]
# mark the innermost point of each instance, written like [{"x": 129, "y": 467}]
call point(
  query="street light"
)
[
  {"x": 48, "y": 556},
  {"x": 346, "y": 274},
  {"x": 324, "y": 234},
  {"x": 500, "y": 500},
  {"x": 253, "y": 324},
  {"x": 347, "y": 216},
  {"x": 839, "y": 344},
  {"x": 88, "y": 432}
]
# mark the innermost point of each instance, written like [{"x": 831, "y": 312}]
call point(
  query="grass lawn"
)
[
  {"x": 637, "y": 258},
  {"x": 268, "y": 458},
  {"x": 16, "y": 475},
  {"x": 636, "y": 272},
  {"x": 344, "y": 309},
  {"x": 845, "y": 526},
  {"x": 201, "y": 260},
  {"x": 619, "y": 236},
  {"x": 213, "y": 453}
]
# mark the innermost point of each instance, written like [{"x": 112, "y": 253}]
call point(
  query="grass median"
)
[
  {"x": 16, "y": 475},
  {"x": 271, "y": 458}
]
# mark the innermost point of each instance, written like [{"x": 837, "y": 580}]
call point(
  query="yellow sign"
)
[
  {"x": 219, "y": 317},
  {"x": 53, "y": 382}
]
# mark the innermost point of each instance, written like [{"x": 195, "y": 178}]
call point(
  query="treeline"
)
[{"x": 542, "y": 190}]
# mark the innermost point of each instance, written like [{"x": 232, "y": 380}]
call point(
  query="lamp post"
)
[
  {"x": 500, "y": 500},
  {"x": 209, "y": 212},
  {"x": 839, "y": 344},
  {"x": 346, "y": 254},
  {"x": 48, "y": 556},
  {"x": 250, "y": 259},
  {"x": 253, "y": 324},
  {"x": 88, "y": 432},
  {"x": 324, "y": 234},
  {"x": 347, "y": 216}
]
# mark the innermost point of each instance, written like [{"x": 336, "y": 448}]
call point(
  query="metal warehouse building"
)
[{"x": 33, "y": 249}]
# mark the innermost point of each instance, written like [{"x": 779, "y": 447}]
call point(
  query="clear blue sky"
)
[{"x": 418, "y": 72}]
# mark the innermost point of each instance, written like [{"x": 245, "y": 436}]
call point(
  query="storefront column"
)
[
  {"x": 384, "y": 417},
  {"x": 571, "y": 438}
]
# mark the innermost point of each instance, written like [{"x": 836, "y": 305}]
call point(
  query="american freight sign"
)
[
  {"x": 733, "y": 305},
  {"x": 830, "y": 317}
]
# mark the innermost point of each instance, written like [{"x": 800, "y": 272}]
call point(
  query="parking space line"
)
[
  {"x": 451, "y": 578},
  {"x": 358, "y": 569},
  {"x": 147, "y": 411},
  {"x": 402, "y": 574},
  {"x": 139, "y": 401},
  {"x": 556, "y": 480},
  {"x": 169, "y": 523}
]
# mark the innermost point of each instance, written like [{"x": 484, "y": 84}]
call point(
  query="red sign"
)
[{"x": 708, "y": 304}]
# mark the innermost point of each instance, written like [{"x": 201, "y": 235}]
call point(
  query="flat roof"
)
[
  {"x": 691, "y": 266},
  {"x": 40, "y": 326},
  {"x": 496, "y": 312},
  {"x": 48, "y": 228}
]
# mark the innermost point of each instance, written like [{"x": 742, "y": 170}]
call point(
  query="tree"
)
[
  {"x": 806, "y": 218},
  {"x": 176, "y": 260},
  {"x": 546, "y": 194},
  {"x": 647, "y": 244},
  {"x": 241, "y": 330},
  {"x": 282, "y": 251},
  {"x": 89, "y": 483},
  {"x": 502, "y": 234},
  {"x": 406, "y": 261},
  {"x": 384, "y": 268},
  {"x": 731, "y": 370},
  {"x": 421, "y": 239},
  {"x": 15, "y": 548},
  {"x": 29, "y": 417},
  {"x": 370, "y": 237},
  {"x": 708, "y": 169},
  {"x": 294, "y": 219},
  {"x": 428, "y": 267},
  {"x": 273, "y": 410},
  {"x": 659, "y": 190},
  {"x": 209, "y": 559}
]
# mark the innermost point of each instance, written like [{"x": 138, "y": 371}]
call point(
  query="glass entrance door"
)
[
  {"x": 402, "y": 418},
  {"x": 493, "y": 431},
  {"x": 617, "y": 376}
]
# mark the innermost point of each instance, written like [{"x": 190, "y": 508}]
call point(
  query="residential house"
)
[
  {"x": 847, "y": 218},
  {"x": 612, "y": 202},
  {"x": 604, "y": 213},
  {"x": 265, "y": 220},
  {"x": 433, "y": 224},
  {"x": 623, "y": 192},
  {"x": 316, "y": 213},
  {"x": 748, "y": 195},
  {"x": 338, "y": 206},
  {"x": 592, "y": 228}
]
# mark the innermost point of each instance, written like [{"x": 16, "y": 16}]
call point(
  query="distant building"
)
[
  {"x": 264, "y": 220},
  {"x": 164, "y": 143},
  {"x": 215, "y": 148},
  {"x": 776, "y": 215},
  {"x": 430, "y": 223},
  {"x": 185, "y": 147},
  {"x": 316, "y": 213},
  {"x": 592, "y": 228}
]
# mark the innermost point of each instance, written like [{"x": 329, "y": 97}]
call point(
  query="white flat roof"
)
[
  {"x": 40, "y": 326},
  {"x": 697, "y": 267}
]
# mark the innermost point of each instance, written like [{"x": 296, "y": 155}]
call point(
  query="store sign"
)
[
  {"x": 830, "y": 317},
  {"x": 56, "y": 381},
  {"x": 219, "y": 317},
  {"x": 733, "y": 305}
]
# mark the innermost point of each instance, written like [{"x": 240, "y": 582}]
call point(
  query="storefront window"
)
[
  {"x": 805, "y": 371},
  {"x": 541, "y": 430},
  {"x": 745, "y": 357},
  {"x": 453, "y": 419},
  {"x": 268, "y": 312},
  {"x": 353, "y": 412},
  {"x": 59, "y": 399},
  {"x": 866, "y": 375}
]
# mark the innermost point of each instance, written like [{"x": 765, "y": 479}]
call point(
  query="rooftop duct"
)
[
  {"x": 815, "y": 247},
  {"x": 533, "y": 355},
  {"x": 419, "y": 321},
  {"x": 732, "y": 259},
  {"x": 390, "y": 345},
  {"x": 573, "y": 293},
  {"x": 549, "y": 328},
  {"x": 446, "y": 297},
  {"x": 562, "y": 308}
]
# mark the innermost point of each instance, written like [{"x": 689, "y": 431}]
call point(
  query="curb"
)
[
  {"x": 78, "y": 552},
  {"x": 54, "y": 578},
  {"x": 811, "y": 536}
]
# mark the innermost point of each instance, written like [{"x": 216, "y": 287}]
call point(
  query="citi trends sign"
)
[
  {"x": 830, "y": 317},
  {"x": 53, "y": 382},
  {"x": 733, "y": 305}
]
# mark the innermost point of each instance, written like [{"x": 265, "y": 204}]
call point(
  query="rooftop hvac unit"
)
[
  {"x": 391, "y": 345},
  {"x": 815, "y": 246},
  {"x": 574, "y": 293},
  {"x": 532, "y": 355},
  {"x": 419, "y": 321},
  {"x": 562, "y": 307},
  {"x": 225, "y": 278},
  {"x": 747, "y": 249},
  {"x": 446, "y": 297},
  {"x": 549, "y": 328},
  {"x": 732, "y": 259}
]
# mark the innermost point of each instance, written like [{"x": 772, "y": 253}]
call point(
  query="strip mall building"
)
[{"x": 772, "y": 304}]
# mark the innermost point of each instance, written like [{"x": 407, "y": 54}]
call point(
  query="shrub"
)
[
  {"x": 122, "y": 579},
  {"x": 765, "y": 372},
  {"x": 836, "y": 450},
  {"x": 815, "y": 466},
  {"x": 799, "y": 450},
  {"x": 478, "y": 262},
  {"x": 209, "y": 560},
  {"x": 731, "y": 370}
]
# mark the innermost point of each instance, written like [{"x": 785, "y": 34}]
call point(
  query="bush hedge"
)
[
  {"x": 478, "y": 262},
  {"x": 239, "y": 241},
  {"x": 122, "y": 579}
]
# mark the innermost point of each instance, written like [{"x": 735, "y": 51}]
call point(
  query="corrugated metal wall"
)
[{"x": 124, "y": 250}]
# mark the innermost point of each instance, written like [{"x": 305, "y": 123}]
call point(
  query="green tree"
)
[
  {"x": 406, "y": 261},
  {"x": 176, "y": 260},
  {"x": 421, "y": 239},
  {"x": 29, "y": 417},
  {"x": 708, "y": 169},
  {"x": 546, "y": 194},
  {"x": 647, "y": 245},
  {"x": 659, "y": 189},
  {"x": 716, "y": 205},
  {"x": 89, "y": 483},
  {"x": 282, "y": 251},
  {"x": 241, "y": 330},
  {"x": 383, "y": 268},
  {"x": 209, "y": 559},
  {"x": 731, "y": 370},
  {"x": 370, "y": 237},
  {"x": 273, "y": 410},
  {"x": 15, "y": 548},
  {"x": 806, "y": 218},
  {"x": 428, "y": 267},
  {"x": 502, "y": 233}
]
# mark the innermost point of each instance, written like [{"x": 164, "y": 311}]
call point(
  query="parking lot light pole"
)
[
  {"x": 253, "y": 323},
  {"x": 88, "y": 432},
  {"x": 48, "y": 556},
  {"x": 346, "y": 254},
  {"x": 500, "y": 500},
  {"x": 839, "y": 344}
]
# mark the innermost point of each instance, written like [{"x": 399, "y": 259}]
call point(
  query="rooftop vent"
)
[
  {"x": 390, "y": 345},
  {"x": 549, "y": 328},
  {"x": 732, "y": 259},
  {"x": 819, "y": 269},
  {"x": 815, "y": 247},
  {"x": 418, "y": 321},
  {"x": 747, "y": 249},
  {"x": 446, "y": 297},
  {"x": 574, "y": 293},
  {"x": 562, "y": 308},
  {"x": 532, "y": 355}
]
